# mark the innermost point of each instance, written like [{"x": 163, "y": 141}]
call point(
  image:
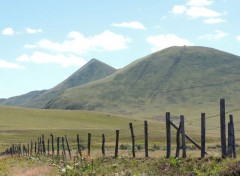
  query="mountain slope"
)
[
  {"x": 92, "y": 71},
  {"x": 175, "y": 77}
]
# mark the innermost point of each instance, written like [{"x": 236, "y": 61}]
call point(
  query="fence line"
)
[{"x": 42, "y": 147}]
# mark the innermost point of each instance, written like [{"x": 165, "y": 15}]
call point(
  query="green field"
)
[{"x": 21, "y": 125}]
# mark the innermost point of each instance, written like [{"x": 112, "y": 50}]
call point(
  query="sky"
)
[{"x": 44, "y": 42}]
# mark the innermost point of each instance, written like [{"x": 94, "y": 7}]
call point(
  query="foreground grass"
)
[
  {"x": 21, "y": 166},
  {"x": 118, "y": 166}
]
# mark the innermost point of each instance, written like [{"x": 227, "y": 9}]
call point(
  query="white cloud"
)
[
  {"x": 77, "y": 43},
  {"x": 160, "y": 42},
  {"x": 9, "y": 65},
  {"x": 217, "y": 35},
  {"x": 196, "y": 12},
  {"x": 132, "y": 24},
  {"x": 214, "y": 20},
  {"x": 33, "y": 31},
  {"x": 238, "y": 38},
  {"x": 199, "y": 9},
  {"x": 45, "y": 58},
  {"x": 179, "y": 9},
  {"x": 200, "y": 2},
  {"x": 8, "y": 31}
]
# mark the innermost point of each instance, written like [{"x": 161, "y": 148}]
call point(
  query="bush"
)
[{"x": 124, "y": 146}]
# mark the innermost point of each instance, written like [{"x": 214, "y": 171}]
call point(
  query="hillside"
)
[
  {"x": 93, "y": 70},
  {"x": 175, "y": 79}
]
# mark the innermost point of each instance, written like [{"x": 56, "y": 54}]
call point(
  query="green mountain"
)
[
  {"x": 93, "y": 70},
  {"x": 179, "y": 79}
]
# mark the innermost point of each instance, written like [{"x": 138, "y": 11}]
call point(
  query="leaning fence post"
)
[
  {"x": 63, "y": 148},
  {"x": 223, "y": 128},
  {"x": 168, "y": 130},
  {"x": 117, "y": 141},
  {"x": 146, "y": 138},
  {"x": 203, "y": 135},
  {"x": 89, "y": 144},
  {"x": 184, "y": 154},
  {"x": 103, "y": 144},
  {"x": 133, "y": 140},
  {"x": 69, "y": 150}
]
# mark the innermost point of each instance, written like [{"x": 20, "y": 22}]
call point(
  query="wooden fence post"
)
[
  {"x": 43, "y": 144},
  {"x": 133, "y": 140},
  {"x": 52, "y": 144},
  {"x": 40, "y": 145},
  {"x": 203, "y": 135},
  {"x": 20, "y": 150},
  {"x": 63, "y": 148},
  {"x": 28, "y": 150},
  {"x": 35, "y": 148},
  {"x": 178, "y": 141},
  {"x": 117, "y": 141},
  {"x": 232, "y": 136},
  {"x": 168, "y": 131},
  {"x": 230, "y": 151},
  {"x": 68, "y": 147},
  {"x": 223, "y": 128},
  {"x": 58, "y": 145},
  {"x": 146, "y": 138},
  {"x": 78, "y": 144},
  {"x": 89, "y": 144},
  {"x": 48, "y": 145},
  {"x": 31, "y": 148},
  {"x": 184, "y": 154},
  {"x": 103, "y": 144}
]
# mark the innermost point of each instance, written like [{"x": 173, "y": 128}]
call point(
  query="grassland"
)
[{"x": 21, "y": 125}]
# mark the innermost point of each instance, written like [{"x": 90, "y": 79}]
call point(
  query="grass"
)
[
  {"x": 23, "y": 125},
  {"x": 177, "y": 79},
  {"x": 211, "y": 166},
  {"x": 20, "y": 125},
  {"x": 22, "y": 166}
]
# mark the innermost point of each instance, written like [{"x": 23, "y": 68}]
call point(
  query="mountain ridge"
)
[
  {"x": 91, "y": 71},
  {"x": 175, "y": 78}
]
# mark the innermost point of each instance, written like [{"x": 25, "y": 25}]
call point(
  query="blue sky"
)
[{"x": 43, "y": 42}]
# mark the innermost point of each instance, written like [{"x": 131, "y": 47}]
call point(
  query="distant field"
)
[{"x": 23, "y": 125}]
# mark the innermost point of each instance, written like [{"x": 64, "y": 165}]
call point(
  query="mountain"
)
[
  {"x": 93, "y": 70},
  {"x": 2, "y": 100},
  {"x": 21, "y": 100},
  {"x": 176, "y": 78}
]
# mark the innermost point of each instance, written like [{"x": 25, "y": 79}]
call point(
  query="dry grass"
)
[{"x": 43, "y": 170}]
